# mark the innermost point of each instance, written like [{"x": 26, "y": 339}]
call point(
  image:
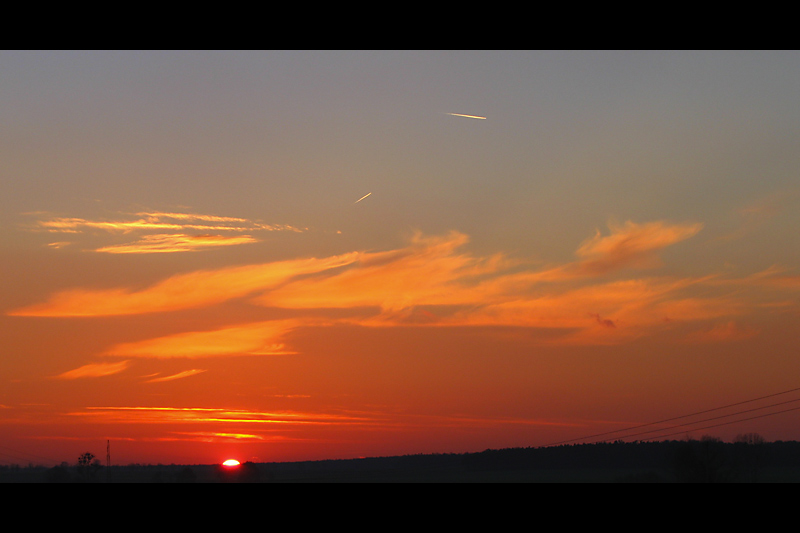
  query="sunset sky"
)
[{"x": 293, "y": 255}]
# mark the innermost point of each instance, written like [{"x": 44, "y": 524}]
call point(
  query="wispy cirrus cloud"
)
[
  {"x": 431, "y": 272},
  {"x": 260, "y": 338},
  {"x": 213, "y": 436},
  {"x": 158, "y": 221},
  {"x": 168, "y": 243},
  {"x": 600, "y": 297},
  {"x": 176, "y": 232},
  {"x": 269, "y": 421},
  {"x": 598, "y": 313},
  {"x": 94, "y": 370},
  {"x": 184, "y": 291},
  {"x": 427, "y": 272},
  {"x": 631, "y": 245},
  {"x": 165, "y": 414},
  {"x": 179, "y": 375}
]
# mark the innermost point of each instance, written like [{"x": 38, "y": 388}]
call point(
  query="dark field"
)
[{"x": 703, "y": 461}]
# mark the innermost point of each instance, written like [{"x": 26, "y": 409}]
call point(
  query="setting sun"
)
[{"x": 231, "y": 463}]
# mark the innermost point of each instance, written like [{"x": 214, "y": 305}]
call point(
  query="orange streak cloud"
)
[
  {"x": 94, "y": 370},
  {"x": 455, "y": 289},
  {"x": 154, "y": 221},
  {"x": 183, "y": 291},
  {"x": 632, "y": 306},
  {"x": 208, "y": 436},
  {"x": 179, "y": 375},
  {"x": 428, "y": 272},
  {"x": 631, "y": 245},
  {"x": 210, "y": 414},
  {"x": 287, "y": 419},
  {"x": 260, "y": 338},
  {"x": 175, "y": 243},
  {"x": 70, "y": 225}
]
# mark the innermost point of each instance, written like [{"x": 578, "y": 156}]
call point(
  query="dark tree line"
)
[{"x": 707, "y": 460}]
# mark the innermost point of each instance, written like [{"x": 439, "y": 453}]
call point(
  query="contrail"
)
[
  {"x": 468, "y": 116},
  {"x": 362, "y": 198}
]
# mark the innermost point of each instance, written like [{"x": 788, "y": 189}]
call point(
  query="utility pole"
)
[{"x": 108, "y": 460}]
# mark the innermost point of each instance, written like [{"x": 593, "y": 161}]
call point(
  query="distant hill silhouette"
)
[{"x": 706, "y": 460}]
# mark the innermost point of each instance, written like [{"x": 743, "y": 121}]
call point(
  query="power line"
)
[
  {"x": 5, "y": 454},
  {"x": 679, "y": 418},
  {"x": 49, "y": 459},
  {"x": 731, "y": 422},
  {"x": 714, "y": 418}
]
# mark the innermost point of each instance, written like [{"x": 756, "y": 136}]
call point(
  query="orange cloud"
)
[
  {"x": 208, "y": 436},
  {"x": 596, "y": 313},
  {"x": 189, "y": 216},
  {"x": 631, "y": 245},
  {"x": 161, "y": 222},
  {"x": 430, "y": 282},
  {"x": 630, "y": 306},
  {"x": 176, "y": 232},
  {"x": 167, "y": 243},
  {"x": 272, "y": 420},
  {"x": 179, "y": 375},
  {"x": 428, "y": 272},
  {"x": 261, "y": 338},
  {"x": 140, "y": 414},
  {"x": 94, "y": 370},
  {"x": 245, "y": 224},
  {"x": 184, "y": 291}
]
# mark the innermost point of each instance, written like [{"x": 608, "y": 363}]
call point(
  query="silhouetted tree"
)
[{"x": 88, "y": 466}]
